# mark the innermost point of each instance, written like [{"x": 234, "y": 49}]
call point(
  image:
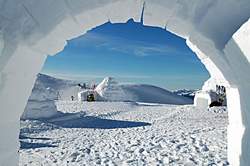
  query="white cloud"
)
[{"x": 126, "y": 46}]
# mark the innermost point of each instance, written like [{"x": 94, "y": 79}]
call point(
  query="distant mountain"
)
[{"x": 190, "y": 93}]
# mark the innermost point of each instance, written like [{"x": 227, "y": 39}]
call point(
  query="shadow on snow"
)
[
  {"x": 33, "y": 145},
  {"x": 29, "y": 145},
  {"x": 78, "y": 121}
]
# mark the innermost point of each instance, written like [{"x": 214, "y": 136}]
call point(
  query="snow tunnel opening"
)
[
  {"x": 45, "y": 96},
  {"x": 40, "y": 37},
  {"x": 124, "y": 51}
]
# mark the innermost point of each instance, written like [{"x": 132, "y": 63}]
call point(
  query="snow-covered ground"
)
[
  {"x": 126, "y": 133},
  {"x": 47, "y": 89},
  {"x": 144, "y": 131}
]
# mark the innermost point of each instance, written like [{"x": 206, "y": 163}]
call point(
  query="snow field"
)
[{"x": 119, "y": 133}]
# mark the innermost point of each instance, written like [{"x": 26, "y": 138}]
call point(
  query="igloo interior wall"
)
[{"x": 217, "y": 31}]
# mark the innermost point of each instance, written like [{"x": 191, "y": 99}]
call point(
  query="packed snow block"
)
[
  {"x": 83, "y": 95},
  {"x": 242, "y": 38},
  {"x": 215, "y": 60},
  {"x": 18, "y": 75},
  {"x": 202, "y": 100},
  {"x": 42, "y": 94},
  {"x": 239, "y": 64},
  {"x": 52, "y": 28},
  {"x": 186, "y": 17},
  {"x": 83, "y": 12},
  {"x": 80, "y": 6},
  {"x": 46, "y": 20},
  {"x": 120, "y": 14},
  {"x": 47, "y": 90},
  {"x": 9, "y": 143},
  {"x": 236, "y": 129},
  {"x": 174, "y": 17},
  {"x": 73, "y": 24},
  {"x": 1, "y": 42},
  {"x": 214, "y": 19},
  {"x": 40, "y": 110},
  {"x": 239, "y": 105},
  {"x": 210, "y": 93},
  {"x": 50, "y": 88},
  {"x": 214, "y": 71},
  {"x": 12, "y": 16},
  {"x": 17, "y": 79}
]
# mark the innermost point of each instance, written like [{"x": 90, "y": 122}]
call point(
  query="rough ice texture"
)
[{"x": 30, "y": 30}]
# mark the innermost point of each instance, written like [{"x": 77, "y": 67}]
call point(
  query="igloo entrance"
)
[
  {"x": 125, "y": 52},
  {"x": 28, "y": 35}
]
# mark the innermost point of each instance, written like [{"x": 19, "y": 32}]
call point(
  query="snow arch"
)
[{"x": 30, "y": 30}]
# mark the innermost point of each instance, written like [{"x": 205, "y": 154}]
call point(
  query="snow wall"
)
[{"x": 218, "y": 31}]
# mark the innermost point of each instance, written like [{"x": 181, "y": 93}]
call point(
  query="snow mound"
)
[
  {"x": 47, "y": 89},
  {"x": 40, "y": 110},
  {"x": 111, "y": 90},
  {"x": 152, "y": 94}
]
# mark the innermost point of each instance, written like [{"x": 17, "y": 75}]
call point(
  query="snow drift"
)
[
  {"x": 111, "y": 90},
  {"x": 48, "y": 89},
  {"x": 152, "y": 94}
]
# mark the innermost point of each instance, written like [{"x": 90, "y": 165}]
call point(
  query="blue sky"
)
[{"x": 131, "y": 53}]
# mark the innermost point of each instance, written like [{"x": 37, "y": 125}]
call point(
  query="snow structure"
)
[
  {"x": 207, "y": 95},
  {"x": 151, "y": 94},
  {"x": 217, "y": 31},
  {"x": 110, "y": 90},
  {"x": 46, "y": 91},
  {"x": 82, "y": 95}
]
